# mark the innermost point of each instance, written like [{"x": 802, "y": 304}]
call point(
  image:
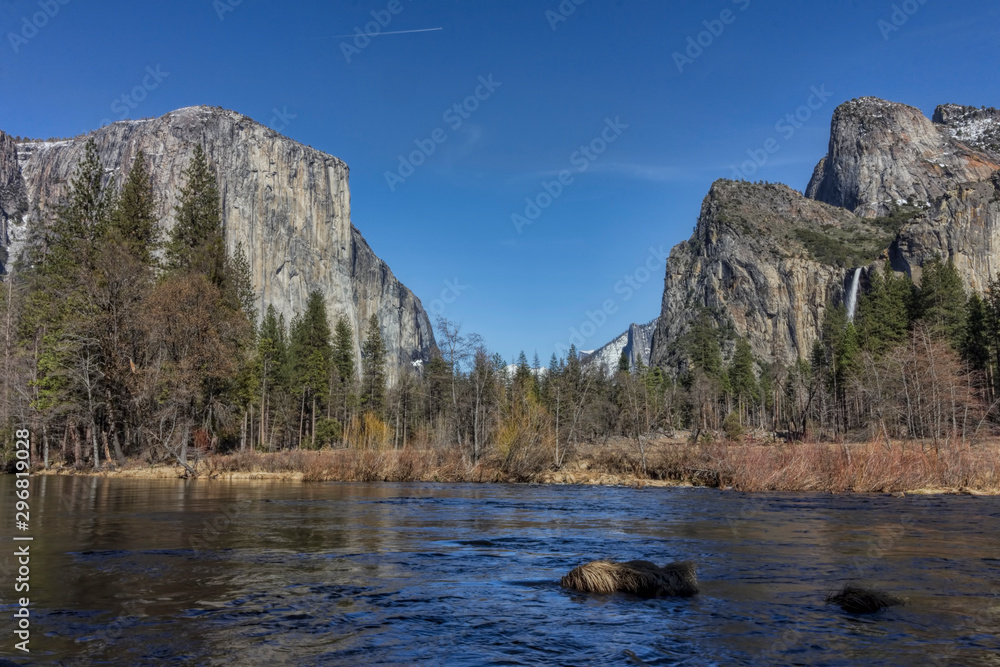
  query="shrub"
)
[
  {"x": 732, "y": 427},
  {"x": 522, "y": 439},
  {"x": 368, "y": 432},
  {"x": 328, "y": 432}
]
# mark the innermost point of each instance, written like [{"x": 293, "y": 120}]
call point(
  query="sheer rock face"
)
[
  {"x": 963, "y": 224},
  {"x": 882, "y": 153},
  {"x": 636, "y": 343},
  {"x": 287, "y": 204},
  {"x": 963, "y": 220},
  {"x": 768, "y": 262},
  {"x": 748, "y": 267},
  {"x": 13, "y": 197}
]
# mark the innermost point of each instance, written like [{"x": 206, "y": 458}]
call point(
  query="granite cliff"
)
[
  {"x": 882, "y": 153},
  {"x": 13, "y": 197},
  {"x": 767, "y": 261},
  {"x": 287, "y": 204},
  {"x": 635, "y": 343}
]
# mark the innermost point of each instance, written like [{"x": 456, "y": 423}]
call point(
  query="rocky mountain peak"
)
[
  {"x": 726, "y": 193},
  {"x": 882, "y": 153},
  {"x": 636, "y": 343},
  {"x": 765, "y": 263}
]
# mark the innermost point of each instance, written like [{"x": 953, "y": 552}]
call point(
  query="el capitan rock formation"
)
[{"x": 287, "y": 204}]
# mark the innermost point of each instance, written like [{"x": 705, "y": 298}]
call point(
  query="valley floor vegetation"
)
[{"x": 126, "y": 347}]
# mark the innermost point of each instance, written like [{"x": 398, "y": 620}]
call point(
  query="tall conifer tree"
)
[
  {"x": 133, "y": 219},
  {"x": 941, "y": 300},
  {"x": 883, "y": 312},
  {"x": 197, "y": 240},
  {"x": 373, "y": 364}
]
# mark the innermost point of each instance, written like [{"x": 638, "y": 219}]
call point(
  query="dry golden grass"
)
[
  {"x": 639, "y": 577},
  {"x": 863, "y": 468},
  {"x": 356, "y": 465},
  {"x": 751, "y": 466},
  {"x": 779, "y": 466}
]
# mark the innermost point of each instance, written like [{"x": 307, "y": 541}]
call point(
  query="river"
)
[{"x": 135, "y": 572}]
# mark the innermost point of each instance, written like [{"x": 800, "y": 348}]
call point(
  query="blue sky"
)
[{"x": 565, "y": 79}]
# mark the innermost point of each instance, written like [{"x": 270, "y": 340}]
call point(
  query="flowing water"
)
[
  {"x": 852, "y": 295},
  {"x": 132, "y": 572}
]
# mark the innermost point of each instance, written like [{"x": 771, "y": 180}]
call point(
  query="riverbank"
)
[{"x": 871, "y": 467}]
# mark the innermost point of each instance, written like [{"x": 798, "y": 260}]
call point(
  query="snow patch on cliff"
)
[{"x": 636, "y": 343}]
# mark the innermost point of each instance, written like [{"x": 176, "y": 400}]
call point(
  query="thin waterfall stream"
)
[{"x": 852, "y": 295}]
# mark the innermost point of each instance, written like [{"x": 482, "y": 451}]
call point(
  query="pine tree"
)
[
  {"x": 344, "y": 368},
  {"x": 272, "y": 362},
  {"x": 68, "y": 242},
  {"x": 574, "y": 372},
  {"x": 57, "y": 311},
  {"x": 624, "y": 365},
  {"x": 133, "y": 219},
  {"x": 841, "y": 348},
  {"x": 656, "y": 381},
  {"x": 343, "y": 350},
  {"x": 311, "y": 348},
  {"x": 552, "y": 380},
  {"x": 536, "y": 375},
  {"x": 310, "y": 356},
  {"x": 991, "y": 299},
  {"x": 975, "y": 347},
  {"x": 272, "y": 348},
  {"x": 742, "y": 378},
  {"x": 941, "y": 300},
  {"x": 242, "y": 284},
  {"x": 86, "y": 216},
  {"x": 197, "y": 241},
  {"x": 703, "y": 347},
  {"x": 373, "y": 365},
  {"x": 118, "y": 286},
  {"x": 883, "y": 318},
  {"x": 523, "y": 378},
  {"x": 195, "y": 253}
]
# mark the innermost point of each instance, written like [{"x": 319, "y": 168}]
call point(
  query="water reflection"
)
[{"x": 147, "y": 571}]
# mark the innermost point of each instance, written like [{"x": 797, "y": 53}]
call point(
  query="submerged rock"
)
[{"x": 860, "y": 600}]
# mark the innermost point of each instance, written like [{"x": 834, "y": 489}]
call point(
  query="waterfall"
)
[{"x": 852, "y": 296}]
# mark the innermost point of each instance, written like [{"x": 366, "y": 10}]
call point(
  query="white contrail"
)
[{"x": 392, "y": 32}]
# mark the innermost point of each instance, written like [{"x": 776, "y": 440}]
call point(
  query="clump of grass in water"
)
[
  {"x": 639, "y": 577},
  {"x": 861, "y": 600}
]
